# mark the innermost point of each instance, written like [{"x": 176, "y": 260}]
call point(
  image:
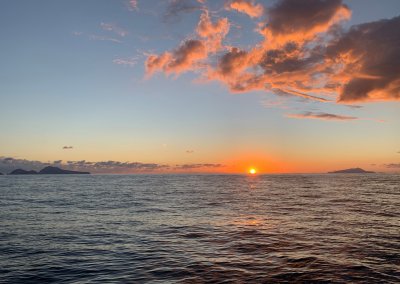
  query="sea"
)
[{"x": 328, "y": 228}]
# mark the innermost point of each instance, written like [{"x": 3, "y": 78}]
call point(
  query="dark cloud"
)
[
  {"x": 393, "y": 166},
  {"x": 127, "y": 165},
  {"x": 8, "y": 164},
  {"x": 182, "y": 59},
  {"x": 322, "y": 116},
  {"x": 176, "y": 8},
  {"x": 371, "y": 55},
  {"x": 68, "y": 147},
  {"x": 7, "y": 160},
  {"x": 303, "y": 17},
  {"x": 197, "y": 166},
  {"x": 189, "y": 151},
  {"x": 353, "y": 106}
]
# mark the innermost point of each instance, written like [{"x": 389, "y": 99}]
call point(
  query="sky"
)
[{"x": 217, "y": 86}]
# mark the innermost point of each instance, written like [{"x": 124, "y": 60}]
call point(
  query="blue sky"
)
[{"x": 73, "y": 73}]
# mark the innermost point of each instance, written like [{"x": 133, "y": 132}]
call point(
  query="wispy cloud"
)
[
  {"x": 114, "y": 28},
  {"x": 104, "y": 38},
  {"x": 393, "y": 166},
  {"x": 279, "y": 103},
  {"x": 126, "y": 61},
  {"x": 321, "y": 116},
  {"x": 68, "y": 147},
  {"x": 189, "y": 151}
]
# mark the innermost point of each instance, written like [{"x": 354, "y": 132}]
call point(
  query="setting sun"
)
[{"x": 252, "y": 171}]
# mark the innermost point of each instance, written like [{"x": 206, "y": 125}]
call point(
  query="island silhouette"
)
[
  {"x": 22, "y": 172},
  {"x": 47, "y": 171},
  {"x": 351, "y": 171}
]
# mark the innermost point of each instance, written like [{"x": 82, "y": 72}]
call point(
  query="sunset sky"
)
[{"x": 200, "y": 86}]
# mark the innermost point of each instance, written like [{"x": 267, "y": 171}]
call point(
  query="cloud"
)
[
  {"x": 177, "y": 7},
  {"x": 370, "y": 55},
  {"x": 297, "y": 21},
  {"x": 114, "y": 28},
  {"x": 8, "y": 164},
  {"x": 321, "y": 115},
  {"x": 247, "y": 7},
  {"x": 197, "y": 166},
  {"x": 190, "y": 54},
  {"x": 310, "y": 56},
  {"x": 213, "y": 33},
  {"x": 280, "y": 103},
  {"x": 68, "y": 147},
  {"x": 393, "y": 166},
  {"x": 126, "y": 61},
  {"x": 189, "y": 151},
  {"x": 115, "y": 165},
  {"x": 104, "y": 38},
  {"x": 133, "y": 5},
  {"x": 180, "y": 60}
]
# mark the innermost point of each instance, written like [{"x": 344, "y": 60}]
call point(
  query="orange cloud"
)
[
  {"x": 182, "y": 59},
  {"x": 191, "y": 52},
  {"x": 299, "y": 57},
  {"x": 369, "y": 54},
  {"x": 214, "y": 33},
  {"x": 245, "y": 6},
  {"x": 298, "y": 21}
]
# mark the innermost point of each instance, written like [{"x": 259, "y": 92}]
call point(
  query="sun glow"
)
[{"x": 252, "y": 171}]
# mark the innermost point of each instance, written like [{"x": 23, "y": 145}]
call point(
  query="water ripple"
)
[{"x": 200, "y": 229}]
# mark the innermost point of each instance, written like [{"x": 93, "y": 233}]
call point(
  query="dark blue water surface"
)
[{"x": 200, "y": 229}]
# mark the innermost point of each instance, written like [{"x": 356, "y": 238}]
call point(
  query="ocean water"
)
[{"x": 200, "y": 229}]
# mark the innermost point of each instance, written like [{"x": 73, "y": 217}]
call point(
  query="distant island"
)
[
  {"x": 352, "y": 171},
  {"x": 47, "y": 171},
  {"x": 57, "y": 171},
  {"x": 22, "y": 172}
]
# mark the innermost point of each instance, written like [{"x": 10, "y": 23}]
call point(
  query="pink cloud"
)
[
  {"x": 133, "y": 5},
  {"x": 245, "y": 6}
]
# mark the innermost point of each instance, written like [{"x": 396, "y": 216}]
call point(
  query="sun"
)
[{"x": 252, "y": 171}]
